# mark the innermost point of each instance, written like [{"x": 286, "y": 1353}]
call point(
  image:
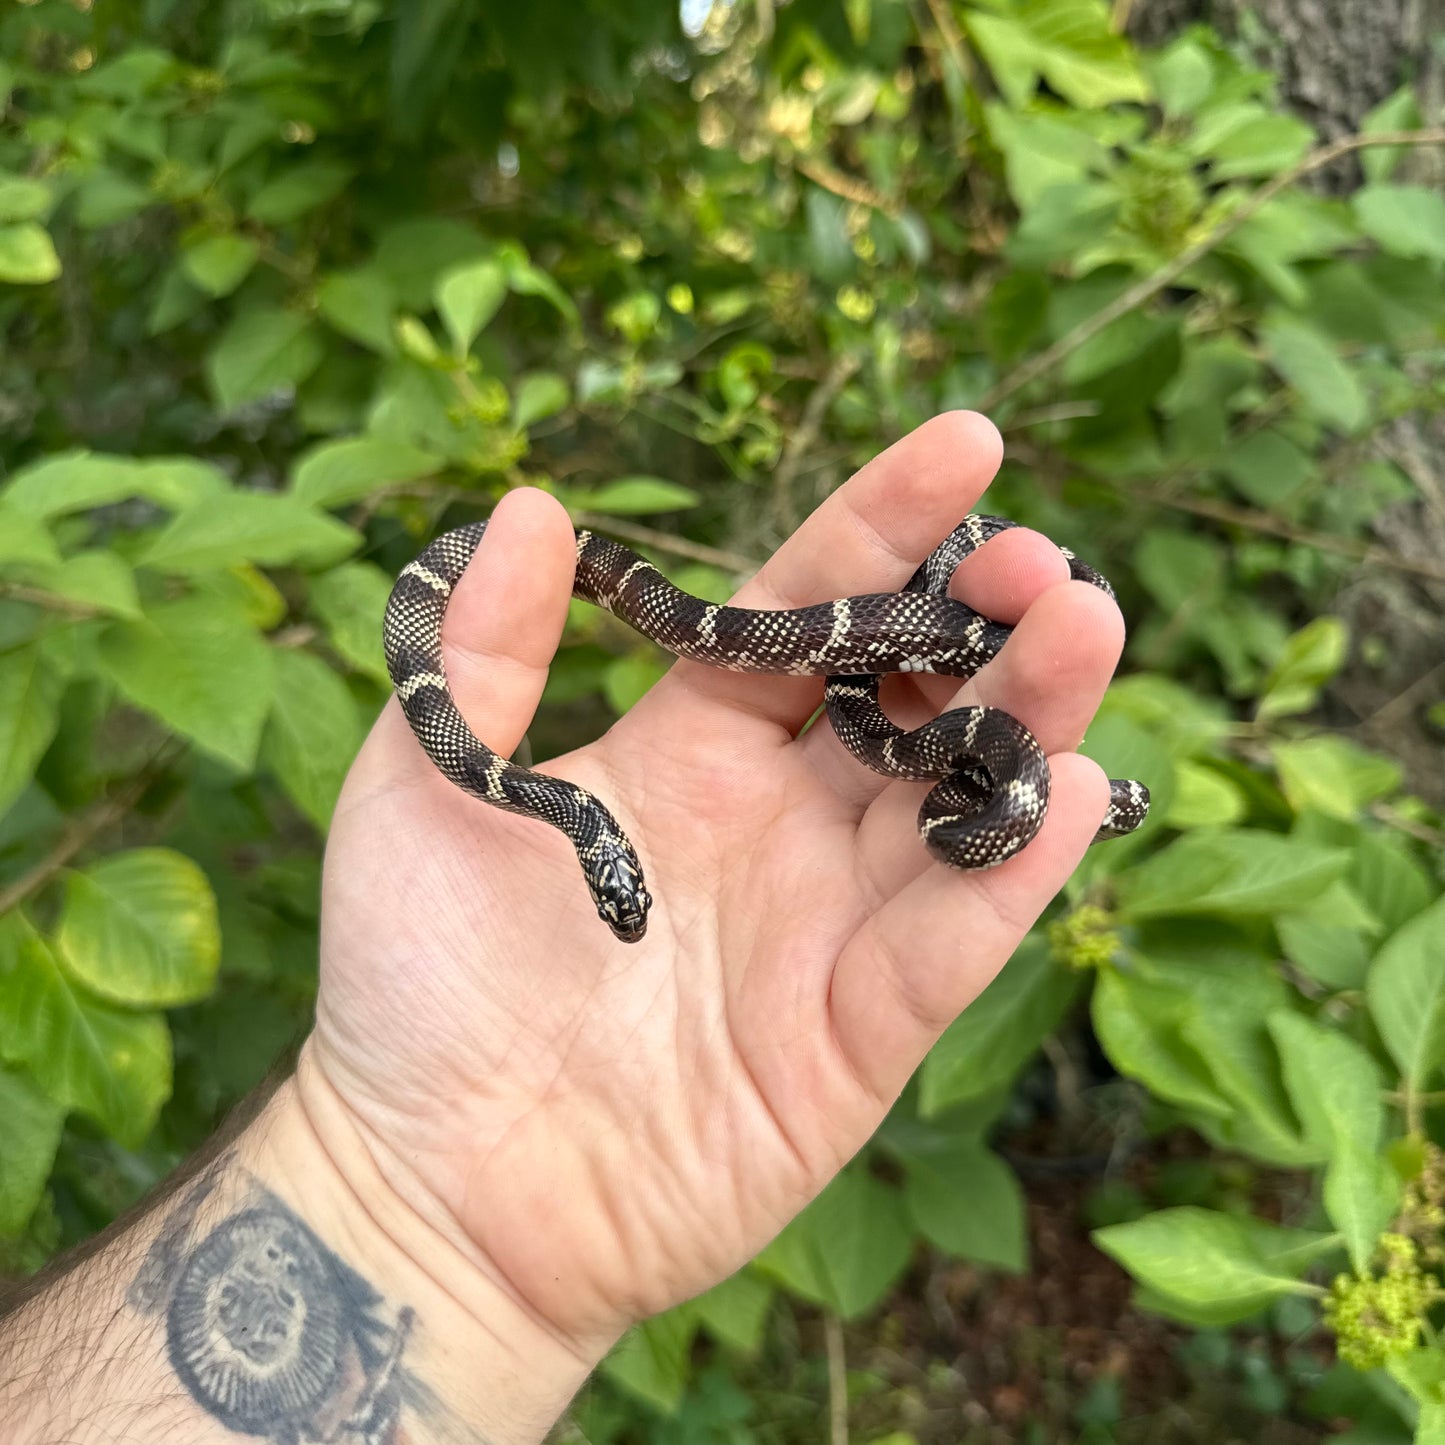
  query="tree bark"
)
[{"x": 1333, "y": 60}]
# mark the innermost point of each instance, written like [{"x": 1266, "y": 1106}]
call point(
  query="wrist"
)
[{"x": 473, "y": 1351}]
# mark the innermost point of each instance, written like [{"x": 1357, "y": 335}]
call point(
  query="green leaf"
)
[
  {"x": 846, "y": 1248},
  {"x": 1334, "y": 956},
  {"x": 525, "y": 279},
  {"x": 467, "y": 297},
  {"x": 350, "y": 601},
  {"x": 1333, "y": 775},
  {"x": 1067, "y": 42},
  {"x": 31, "y": 683},
  {"x": 1337, "y": 1092},
  {"x": 736, "y": 1311},
  {"x": 313, "y": 733},
  {"x": 1042, "y": 154},
  {"x": 539, "y": 395},
  {"x": 1182, "y": 75},
  {"x": 77, "y": 481},
  {"x": 360, "y": 304},
  {"x": 1305, "y": 358},
  {"x": 1000, "y": 1030},
  {"x": 652, "y": 1360},
  {"x": 1199, "y": 1256},
  {"x": 100, "y": 580},
  {"x": 298, "y": 189},
  {"x": 633, "y": 674},
  {"x": 27, "y": 255},
  {"x": 1400, "y": 111},
  {"x": 1203, "y": 798},
  {"x": 262, "y": 527},
  {"x": 414, "y": 252},
  {"x": 140, "y": 928},
  {"x": 1310, "y": 658},
  {"x": 30, "y": 1125},
  {"x": 219, "y": 264},
  {"x": 1406, "y": 994},
  {"x": 337, "y": 472},
  {"x": 1267, "y": 467},
  {"x": 1230, "y": 871},
  {"x": 201, "y": 668},
  {"x": 22, "y": 198},
  {"x": 110, "y": 1063},
  {"x": 262, "y": 351},
  {"x": 1389, "y": 879},
  {"x": 24, "y": 539},
  {"x": 631, "y": 496},
  {"x": 107, "y": 197},
  {"x": 1180, "y": 570},
  {"x": 967, "y": 1201},
  {"x": 1223, "y": 992},
  {"x": 1405, "y": 220},
  {"x": 1263, "y": 145},
  {"x": 1138, "y": 1019}
]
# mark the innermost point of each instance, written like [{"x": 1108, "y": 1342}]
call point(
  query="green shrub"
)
[{"x": 288, "y": 286}]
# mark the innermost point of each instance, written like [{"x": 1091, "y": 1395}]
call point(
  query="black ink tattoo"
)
[{"x": 270, "y": 1331}]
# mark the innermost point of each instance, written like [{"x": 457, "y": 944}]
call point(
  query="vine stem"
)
[
  {"x": 665, "y": 542},
  {"x": 1145, "y": 290},
  {"x": 806, "y": 433},
  {"x": 85, "y": 829}
]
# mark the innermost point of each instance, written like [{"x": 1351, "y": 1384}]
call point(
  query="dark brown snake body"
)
[{"x": 994, "y": 787}]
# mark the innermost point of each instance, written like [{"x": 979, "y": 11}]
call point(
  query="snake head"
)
[{"x": 620, "y": 894}]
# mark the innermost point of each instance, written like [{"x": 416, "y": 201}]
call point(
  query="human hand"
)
[{"x": 606, "y": 1130}]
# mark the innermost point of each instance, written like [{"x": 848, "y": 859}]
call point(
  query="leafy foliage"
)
[{"x": 288, "y": 286}]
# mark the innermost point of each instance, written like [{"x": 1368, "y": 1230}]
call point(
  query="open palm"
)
[{"x": 613, "y": 1128}]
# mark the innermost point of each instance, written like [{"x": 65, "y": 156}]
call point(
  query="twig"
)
[
  {"x": 1277, "y": 527},
  {"x": 1058, "y": 411},
  {"x": 678, "y": 546},
  {"x": 828, "y": 176},
  {"x": 951, "y": 36},
  {"x": 1394, "y": 710},
  {"x": 1045, "y": 361},
  {"x": 806, "y": 433},
  {"x": 837, "y": 1379},
  {"x": 1393, "y": 818},
  {"x": 88, "y": 826},
  {"x": 51, "y": 601}
]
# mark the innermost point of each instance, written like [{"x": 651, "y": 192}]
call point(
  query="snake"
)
[{"x": 992, "y": 779}]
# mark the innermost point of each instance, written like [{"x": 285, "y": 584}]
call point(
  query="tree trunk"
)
[{"x": 1334, "y": 60}]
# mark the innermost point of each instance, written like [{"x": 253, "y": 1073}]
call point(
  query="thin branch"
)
[
  {"x": 951, "y": 36},
  {"x": 82, "y": 831},
  {"x": 822, "y": 173},
  {"x": 837, "y": 1379},
  {"x": 1393, "y": 818},
  {"x": 1277, "y": 527},
  {"x": 51, "y": 601},
  {"x": 1058, "y": 411},
  {"x": 801, "y": 439},
  {"x": 664, "y": 542},
  {"x": 1145, "y": 290},
  {"x": 1393, "y": 712}
]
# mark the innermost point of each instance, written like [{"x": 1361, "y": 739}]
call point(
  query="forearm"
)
[{"x": 283, "y": 1293}]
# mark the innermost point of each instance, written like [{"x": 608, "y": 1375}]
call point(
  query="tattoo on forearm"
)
[{"x": 272, "y": 1333}]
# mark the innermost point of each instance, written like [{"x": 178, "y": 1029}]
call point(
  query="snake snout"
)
[{"x": 621, "y": 895}]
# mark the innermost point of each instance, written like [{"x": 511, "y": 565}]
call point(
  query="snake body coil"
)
[{"x": 995, "y": 780}]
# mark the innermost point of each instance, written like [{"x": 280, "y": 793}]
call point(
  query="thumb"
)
[{"x": 505, "y": 617}]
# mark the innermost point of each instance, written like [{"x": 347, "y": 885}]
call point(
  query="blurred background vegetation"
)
[{"x": 286, "y": 286}]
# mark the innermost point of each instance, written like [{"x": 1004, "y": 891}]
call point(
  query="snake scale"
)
[{"x": 994, "y": 787}]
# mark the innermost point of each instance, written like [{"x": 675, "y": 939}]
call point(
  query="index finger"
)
[{"x": 869, "y": 536}]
